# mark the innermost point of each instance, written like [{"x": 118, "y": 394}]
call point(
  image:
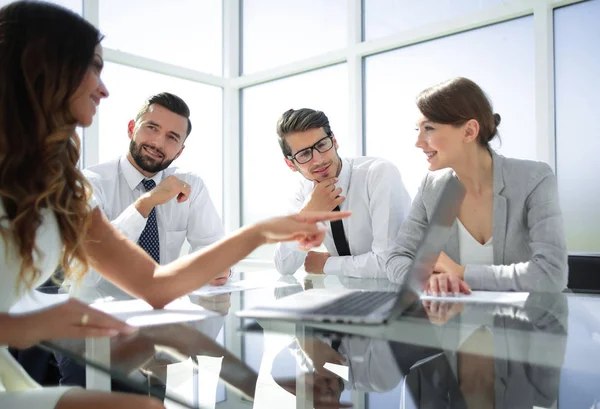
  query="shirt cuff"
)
[{"x": 333, "y": 266}]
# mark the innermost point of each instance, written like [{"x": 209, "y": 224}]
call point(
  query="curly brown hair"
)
[{"x": 45, "y": 52}]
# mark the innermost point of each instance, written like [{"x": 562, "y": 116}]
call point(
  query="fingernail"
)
[
  {"x": 112, "y": 332},
  {"x": 434, "y": 293},
  {"x": 456, "y": 294},
  {"x": 444, "y": 294}
]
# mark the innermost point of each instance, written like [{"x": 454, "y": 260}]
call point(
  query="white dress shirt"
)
[
  {"x": 117, "y": 185},
  {"x": 378, "y": 200}
]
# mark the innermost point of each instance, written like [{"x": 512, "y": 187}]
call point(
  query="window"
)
[
  {"x": 505, "y": 71},
  {"x": 267, "y": 182},
  {"x": 186, "y": 33},
  {"x": 277, "y": 32},
  {"x": 386, "y": 17},
  {"x": 576, "y": 33},
  {"x": 129, "y": 88}
]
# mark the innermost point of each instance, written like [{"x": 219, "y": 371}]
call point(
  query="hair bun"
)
[{"x": 497, "y": 119}]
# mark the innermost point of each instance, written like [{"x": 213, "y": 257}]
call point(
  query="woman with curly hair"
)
[{"x": 50, "y": 66}]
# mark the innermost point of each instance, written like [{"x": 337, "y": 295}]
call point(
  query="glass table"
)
[{"x": 540, "y": 353}]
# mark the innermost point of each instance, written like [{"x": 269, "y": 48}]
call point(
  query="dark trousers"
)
[{"x": 39, "y": 364}]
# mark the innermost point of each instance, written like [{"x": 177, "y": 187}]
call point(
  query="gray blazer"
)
[{"x": 530, "y": 251}]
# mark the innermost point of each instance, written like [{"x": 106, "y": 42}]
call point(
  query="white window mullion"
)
[
  {"x": 231, "y": 116},
  {"x": 355, "y": 79},
  {"x": 91, "y": 143}
]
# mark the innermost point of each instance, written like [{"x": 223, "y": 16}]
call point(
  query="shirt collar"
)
[{"x": 133, "y": 176}]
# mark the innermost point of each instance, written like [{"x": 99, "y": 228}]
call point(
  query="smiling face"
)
[
  {"x": 322, "y": 166},
  {"x": 445, "y": 145},
  {"x": 157, "y": 139},
  {"x": 85, "y": 100}
]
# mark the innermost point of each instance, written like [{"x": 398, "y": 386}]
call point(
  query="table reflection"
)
[{"x": 438, "y": 355}]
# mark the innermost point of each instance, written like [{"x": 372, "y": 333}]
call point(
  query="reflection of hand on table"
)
[
  {"x": 439, "y": 312},
  {"x": 134, "y": 351},
  {"x": 320, "y": 353},
  {"x": 326, "y": 386},
  {"x": 308, "y": 284},
  {"x": 219, "y": 303}
]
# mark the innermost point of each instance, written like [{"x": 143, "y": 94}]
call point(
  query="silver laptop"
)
[{"x": 372, "y": 307}]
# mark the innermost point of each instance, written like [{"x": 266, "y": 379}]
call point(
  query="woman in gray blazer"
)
[{"x": 509, "y": 233}]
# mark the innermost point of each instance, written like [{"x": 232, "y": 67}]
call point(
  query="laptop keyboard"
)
[{"x": 357, "y": 304}]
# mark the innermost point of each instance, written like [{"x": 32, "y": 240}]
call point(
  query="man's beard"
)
[
  {"x": 146, "y": 164},
  {"x": 335, "y": 161}
]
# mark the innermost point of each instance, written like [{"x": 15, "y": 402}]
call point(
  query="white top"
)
[
  {"x": 50, "y": 244},
  {"x": 13, "y": 377},
  {"x": 379, "y": 203},
  {"x": 117, "y": 185},
  {"x": 472, "y": 251}
]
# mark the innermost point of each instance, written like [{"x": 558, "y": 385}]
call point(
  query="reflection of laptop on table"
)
[{"x": 372, "y": 307}]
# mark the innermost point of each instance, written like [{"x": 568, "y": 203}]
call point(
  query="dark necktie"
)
[
  {"x": 339, "y": 237},
  {"x": 149, "y": 237},
  {"x": 335, "y": 344}
]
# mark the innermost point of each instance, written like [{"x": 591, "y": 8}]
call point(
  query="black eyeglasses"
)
[{"x": 306, "y": 154}]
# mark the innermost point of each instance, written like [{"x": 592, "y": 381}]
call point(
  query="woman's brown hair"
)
[
  {"x": 457, "y": 101},
  {"x": 45, "y": 52}
]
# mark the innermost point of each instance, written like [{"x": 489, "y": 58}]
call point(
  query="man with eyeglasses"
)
[{"x": 371, "y": 188}]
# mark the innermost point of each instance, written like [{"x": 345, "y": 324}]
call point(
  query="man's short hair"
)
[
  {"x": 299, "y": 120},
  {"x": 170, "y": 101}
]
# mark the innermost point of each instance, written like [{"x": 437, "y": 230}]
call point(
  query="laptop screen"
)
[{"x": 432, "y": 243}]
